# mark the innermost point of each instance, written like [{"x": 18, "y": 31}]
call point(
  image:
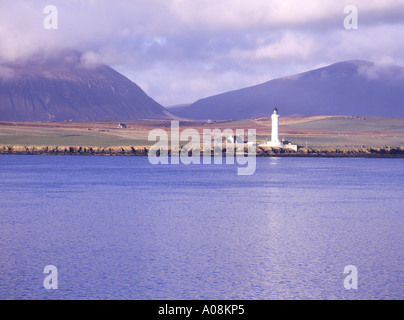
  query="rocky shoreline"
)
[{"x": 364, "y": 152}]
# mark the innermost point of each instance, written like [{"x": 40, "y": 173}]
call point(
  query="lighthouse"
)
[
  {"x": 275, "y": 142},
  {"x": 275, "y": 128}
]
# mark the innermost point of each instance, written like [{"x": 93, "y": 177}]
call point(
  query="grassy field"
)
[
  {"x": 313, "y": 131},
  {"x": 341, "y": 131}
]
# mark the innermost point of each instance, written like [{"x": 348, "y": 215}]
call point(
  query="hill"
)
[
  {"x": 345, "y": 88},
  {"x": 63, "y": 87}
]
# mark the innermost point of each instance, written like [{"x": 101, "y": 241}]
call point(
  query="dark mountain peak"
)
[
  {"x": 347, "y": 63},
  {"x": 60, "y": 65},
  {"x": 353, "y": 87},
  {"x": 343, "y": 68},
  {"x": 367, "y": 69},
  {"x": 64, "y": 86}
]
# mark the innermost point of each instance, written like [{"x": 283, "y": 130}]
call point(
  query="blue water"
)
[{"x": 120, "y": 228}]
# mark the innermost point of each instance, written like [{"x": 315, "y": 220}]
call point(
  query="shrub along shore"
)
[{"x": 365, "y": 152}]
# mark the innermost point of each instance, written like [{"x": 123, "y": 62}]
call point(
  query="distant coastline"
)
[{"x": 335, "y": 152}]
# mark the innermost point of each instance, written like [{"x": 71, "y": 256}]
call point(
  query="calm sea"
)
[{"x": 120, "y": 228}]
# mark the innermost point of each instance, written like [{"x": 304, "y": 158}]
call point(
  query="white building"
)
[{"x": 275, "y": 142}]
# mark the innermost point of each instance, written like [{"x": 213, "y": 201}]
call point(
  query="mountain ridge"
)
[
  {"x": 65, "y": 87},
  {"x": 353, "y": 87}
]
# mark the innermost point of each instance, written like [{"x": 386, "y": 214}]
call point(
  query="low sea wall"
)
[{"x": 370, "y": 152}]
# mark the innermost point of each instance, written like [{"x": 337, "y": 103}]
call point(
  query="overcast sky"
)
[{"x": 179, "y": 51}]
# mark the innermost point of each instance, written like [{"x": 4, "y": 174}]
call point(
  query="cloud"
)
[
  {"x": 289, "y": 46},
  {"x": 182, "y": 50},
  {"x": 382, "y": 69},
  {"x": 6, "y": 72}
]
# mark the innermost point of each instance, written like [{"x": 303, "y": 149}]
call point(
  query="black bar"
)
[{"x": 210, "y": 309}]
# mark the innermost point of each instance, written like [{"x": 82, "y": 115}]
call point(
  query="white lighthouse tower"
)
[
  {"x": 275, "y": 128},
  {"x": 275, "y": 142}
]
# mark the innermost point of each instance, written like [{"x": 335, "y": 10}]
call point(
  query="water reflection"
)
[{"x": 119, "y": 228}]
